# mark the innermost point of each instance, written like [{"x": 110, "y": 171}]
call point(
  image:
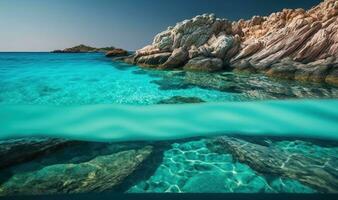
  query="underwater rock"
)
[
  {"x": 99, "y": 174},
  {"x": 318, "y": 172},
  {"x": 191, "y": 167},
  {"x": 171, "y": 82},
  {"x": 181, "y": 100},
  {"x": 255, "y": 45},
  {"x": 116, "y": 52},
  {"x": 204, "y": 64},
  {"x": 83, "y": 49},
  {"x": 16, "y": 151}
]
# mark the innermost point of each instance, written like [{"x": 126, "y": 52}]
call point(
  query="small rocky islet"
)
[
  {"x": 109, "y": 51},
  {"x": 84, "y": 49},
  {"x": 292, "y": 44}
]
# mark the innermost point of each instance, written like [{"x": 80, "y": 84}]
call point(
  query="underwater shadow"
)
[{"x": 145, "y": 170}]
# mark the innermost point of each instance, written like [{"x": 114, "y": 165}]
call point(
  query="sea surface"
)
[{"x": 91, "y": 98}]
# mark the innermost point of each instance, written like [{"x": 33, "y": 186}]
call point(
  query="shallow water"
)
[
  {"x": 78, "y": 79},
  {"x": 32, "y": 84}
]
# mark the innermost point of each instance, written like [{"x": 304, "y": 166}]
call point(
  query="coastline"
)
[{"x": 291, "y": 44}]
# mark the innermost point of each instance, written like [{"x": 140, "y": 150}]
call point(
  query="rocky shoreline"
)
[{"x": 292, "y": 44}]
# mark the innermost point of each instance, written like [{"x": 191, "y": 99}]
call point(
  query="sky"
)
[{"x": 45, "y": 25}]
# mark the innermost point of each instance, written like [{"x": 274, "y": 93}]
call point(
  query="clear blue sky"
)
[{"x": 43, "y": 25}]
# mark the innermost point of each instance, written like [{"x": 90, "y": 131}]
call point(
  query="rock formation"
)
[
  {"x": 15, "y": 151},
  {"x": 318, "y": 172},
  {"x": 99, "y": 174},
  {"x": 293, "y": 44},
  {"x": 84, "y": 49},
  {"x": 181, "y": 100},
  {"x": 116, "y": 52}
]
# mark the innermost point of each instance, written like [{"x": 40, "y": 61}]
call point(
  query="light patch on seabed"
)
[{"x": 302, "y": 118}]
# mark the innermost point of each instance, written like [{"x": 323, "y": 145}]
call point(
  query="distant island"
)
[
  {"x": 109, "y": 51},
  {"x": 84, "y": 49}
]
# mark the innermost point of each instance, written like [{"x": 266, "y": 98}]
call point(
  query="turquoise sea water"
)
[
  {"x": 89, "y": 97},
  {"x": 82, "y": 79},
  {"x": 77, "y": 79}
]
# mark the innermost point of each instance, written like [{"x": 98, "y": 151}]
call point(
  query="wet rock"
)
[
  {"x": 130, "y": 59},
  {"x": 204, "y": 64},
  {"x": 332, "y": 78},
  {"x": 16, "y": 151},
  {"x": 313, "y": 74},
  {"x": 99, "y": 174},
  {"x": 316, "y": 171},
  {"x": 243, "y": 66},
  {"x": 285, "y": 69},
  {"x": 116, "y": 52},
  {"x": 154, "y": 60},
  {"x": 181, "y": 100}
]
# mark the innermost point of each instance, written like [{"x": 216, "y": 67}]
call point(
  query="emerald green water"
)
[{"x": 88, "y": 97}]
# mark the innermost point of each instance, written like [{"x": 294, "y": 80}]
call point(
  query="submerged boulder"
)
[
  {"x": 181, "y": 100},
  {"x": 318, "y": 172},
  {"x": 204, "y": 64},
  {"x": 99, "y": 174},
  {"x": 15, "y": 151}
]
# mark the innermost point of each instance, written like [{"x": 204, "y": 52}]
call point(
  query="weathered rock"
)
[
  {"x": 116, "y": 52},
  {"x": 285, "y": 69},
  {"x": 181, "y": 100},
  {"x": 128, "y": 59},
  {"x": 317, "y": 172},
  {"x": 177, "y": 59},
  {"x": 154, "y": 60},
  {"x": 248, "y": 50},
  {"x": 193, "y": 52},
  {"x": 16, "y": 151},
  {"x": 258, "y": 44},
  {"x": 99, "y": 174},
  {"x": 204, "y": 64},
  {"x": 220, "y": 45}
]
